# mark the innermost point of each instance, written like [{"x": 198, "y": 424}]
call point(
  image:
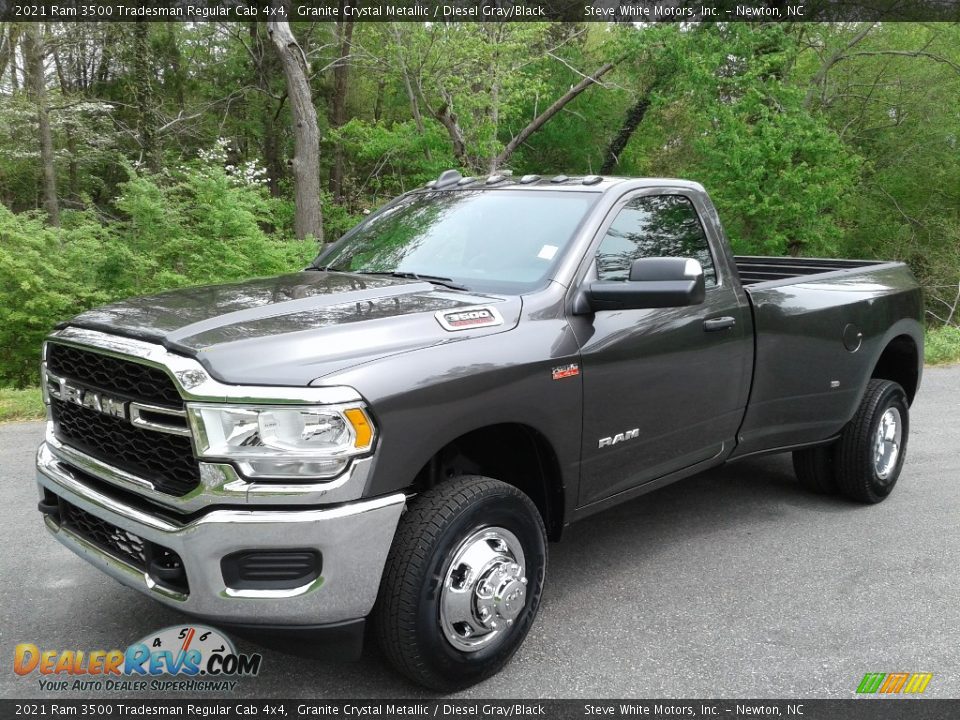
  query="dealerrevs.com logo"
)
[{"x": 204, "y": 657}]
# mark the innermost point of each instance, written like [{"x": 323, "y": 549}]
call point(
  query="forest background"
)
[{"x": 137, "y": 157}]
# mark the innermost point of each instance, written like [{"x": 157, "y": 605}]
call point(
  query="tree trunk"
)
[
  {"x": 449, "y": 120},
  {"x": 8, "y": 53},
  {"x": 33, "y": 52},
  {"x": 631, "y": 122},
  {"x": 143, "y": 93},
  {"x": 263, "y": 69},
  {"x": 176, "y": 65},
  {"x": 415, "y": 111},
  {"x": 378, "y": 103},
  {"x": 411, "y": 95},
  {"x": 338, "y": 115},
  {"x": 4, "y": 51},
  {"x": 542, "y": 119},
  {"x": 102, "y": 72},
  {"x": 72, "y": 169},
  {"x": 305, "y": 163}
]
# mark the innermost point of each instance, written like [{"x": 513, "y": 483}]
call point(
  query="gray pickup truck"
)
[{"x": 394, "y": 433}]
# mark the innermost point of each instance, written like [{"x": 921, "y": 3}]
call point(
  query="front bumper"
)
[{"x": 353, "y": 540}]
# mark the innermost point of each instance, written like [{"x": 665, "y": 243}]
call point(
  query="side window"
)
[{"x": 654, "y": 226}]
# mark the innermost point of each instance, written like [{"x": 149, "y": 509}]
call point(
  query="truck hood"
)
[{"x": 296, "y": 328}]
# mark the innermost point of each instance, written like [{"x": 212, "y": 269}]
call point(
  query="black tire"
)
[
  {"x": 815, "y": 468},
  {"x": 407, "y": 613},
  {"x": 856, "y": 472}
]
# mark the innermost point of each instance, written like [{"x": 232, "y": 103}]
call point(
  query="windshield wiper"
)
[{"x": 433, "y": 279}]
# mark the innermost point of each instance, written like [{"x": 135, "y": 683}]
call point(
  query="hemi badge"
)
[
  {"x": 469, "y": 317},
  {"x": 565, "y": 371}
]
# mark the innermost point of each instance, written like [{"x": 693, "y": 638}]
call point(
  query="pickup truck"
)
[{"x": 395, "y": 433}]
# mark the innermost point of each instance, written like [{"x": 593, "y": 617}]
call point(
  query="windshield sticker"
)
[
  {"x": 547, "y": 252},
  {"x": 467, "y": 318}
]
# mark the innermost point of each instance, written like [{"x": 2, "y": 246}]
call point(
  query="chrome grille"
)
[
  {"x": 113, "y": 375},
  {"x": 165, "y": 460}
]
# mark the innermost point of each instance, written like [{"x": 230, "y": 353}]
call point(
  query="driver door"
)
[{"x": 664, "y": 388}]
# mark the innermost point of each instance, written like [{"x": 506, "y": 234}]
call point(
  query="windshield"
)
[{"x": 493, "y": 240}]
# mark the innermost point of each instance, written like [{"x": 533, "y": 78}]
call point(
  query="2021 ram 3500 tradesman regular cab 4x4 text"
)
[{"x": 395, "y": 432}]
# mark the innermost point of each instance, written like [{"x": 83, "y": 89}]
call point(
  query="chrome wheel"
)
[
  {"x": 886, "y": 444},
  {"x": 484, "y": 589}
]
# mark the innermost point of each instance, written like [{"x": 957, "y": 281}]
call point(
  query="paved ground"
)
[{"x": 731, "y": 584}]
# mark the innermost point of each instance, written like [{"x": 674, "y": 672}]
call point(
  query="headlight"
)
[{"x": 288, "y": 442}]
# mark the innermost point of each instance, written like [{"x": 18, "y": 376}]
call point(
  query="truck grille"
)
[
  {"x": 163, "y": 459},
  {"x": 162, "y": 563},
  {"x": 121, "y": 544},
  {"x": 118, "y": 377}
]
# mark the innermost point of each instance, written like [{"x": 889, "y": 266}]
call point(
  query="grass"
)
[
  {"x": 942, "y": 345},
  {"x": 20, "y": 405},
  {"x": 942, "y": 348}
]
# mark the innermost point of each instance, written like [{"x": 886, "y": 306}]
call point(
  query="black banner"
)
[
  {"x": 481, "y": 10},
  {"x": 852, "y": 709}
]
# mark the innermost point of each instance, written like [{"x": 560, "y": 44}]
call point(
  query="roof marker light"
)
[{"x": 448, "y": 177}]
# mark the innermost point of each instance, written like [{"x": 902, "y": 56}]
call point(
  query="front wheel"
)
[
  {"x": 462, "y": 584},
  {"x": 873, "y": 445}
]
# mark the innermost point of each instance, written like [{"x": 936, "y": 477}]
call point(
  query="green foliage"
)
[
  {"x": 20, "y": 405},
  {"x": 900, "y": 113},
  {"x": 390, "y": 158},
  {"x": 942, "y": 345},
  {"x": 779, "y": 177},
  {"x": 198, "y": 225},
  {"x": 44, "y": 277},
  {"x": 818, "y": 139}
]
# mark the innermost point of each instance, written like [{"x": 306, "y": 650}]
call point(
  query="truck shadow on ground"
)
[{"x": 621, "y": 542}]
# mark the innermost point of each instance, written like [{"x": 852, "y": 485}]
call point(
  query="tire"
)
[
  {"x": 815, "y": 468},
  {"x": 860, "y": 475},
  {"x": 472, "y": 520}
]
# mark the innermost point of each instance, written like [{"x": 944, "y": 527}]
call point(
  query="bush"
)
[
  {"x": 44, "y": 277},
  {"x": 199, "y": 225}
]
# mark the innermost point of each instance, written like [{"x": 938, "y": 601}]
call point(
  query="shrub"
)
[{"x": 198, "y": 225}]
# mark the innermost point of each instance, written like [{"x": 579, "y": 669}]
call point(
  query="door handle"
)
[{"x": 720, "y": 323}]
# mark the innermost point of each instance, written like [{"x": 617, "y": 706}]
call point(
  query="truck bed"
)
[
  {"x": 819, "y": 327},
  {"x": 754, "y": 270}
]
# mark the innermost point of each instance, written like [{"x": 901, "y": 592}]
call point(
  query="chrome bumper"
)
[{"x": 353, "y": 540}]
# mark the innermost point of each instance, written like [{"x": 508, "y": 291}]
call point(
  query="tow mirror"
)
[{"x": 653, "y": 283}]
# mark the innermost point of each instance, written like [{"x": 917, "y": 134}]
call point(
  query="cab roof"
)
[{"x": 453, "y": 180}]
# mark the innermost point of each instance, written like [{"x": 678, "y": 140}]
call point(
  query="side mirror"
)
[{"x": 653, "y": 283}]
